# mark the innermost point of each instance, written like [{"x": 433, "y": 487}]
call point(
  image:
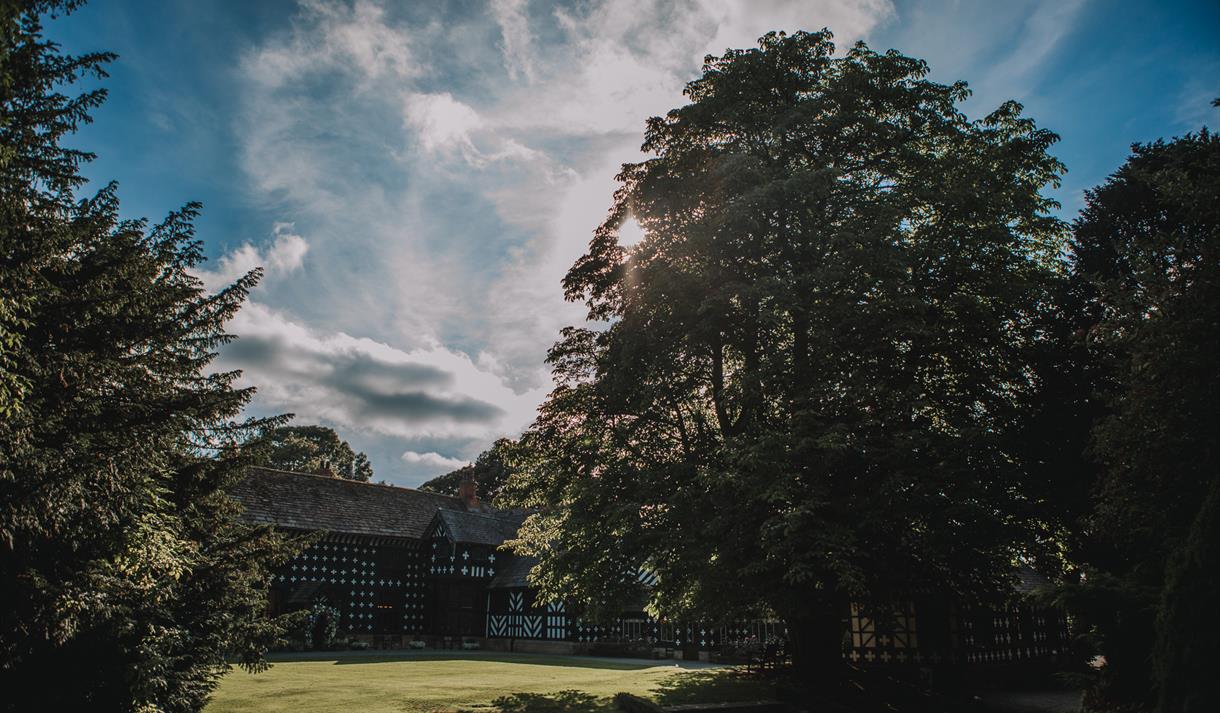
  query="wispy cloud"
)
[
  {"x": 446, "y": 185},
  {"x": 1000, "y": 49},
  {"x": 1193, "y": 104},
  {"x": 1042, "y": 32},
  {"x": 353, "y": 40},
  {"x": 516, "y": 38}
]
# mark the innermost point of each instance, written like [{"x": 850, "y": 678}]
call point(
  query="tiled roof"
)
[
  {"x": 315, "y": 502},
  {"x": 481, "y": 528},
  {"x": 1029, "y": 580},
  {"x": 512, "y": 572}
]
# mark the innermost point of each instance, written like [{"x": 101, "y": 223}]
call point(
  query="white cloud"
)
[
  {"x": 446, "y": 251},
  {"x": 627, "y": 60},
  {"x": 360, "y": 384},
  {"x": 516, "y": 40},
  {"x": 441, "y": 122},
  {"x": 446, "y": 127},
  {"x": 355, "y": 39},
  {"x": 740, "y": 24},
  {"x": 283, "y": 256},
  {"x": 435, "y": 461}
]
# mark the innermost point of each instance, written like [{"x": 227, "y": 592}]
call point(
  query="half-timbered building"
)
[{"x": 393, "y": 564}]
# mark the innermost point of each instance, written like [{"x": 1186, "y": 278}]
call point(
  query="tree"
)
[
  {"x": 491, "y": 470},
  {"x": 32, "y": 120},
  {"x": 1188, "y": 625},
  {"x": 802, "y": 386},
  {"x": 309, "y": 449},
  {"x": 1145, "y": 257},
  {"x": 125, "y": 577}
]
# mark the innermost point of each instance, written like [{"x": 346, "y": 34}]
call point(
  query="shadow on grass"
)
[
  {"x": 345, "y": 658},
  {"x": 559, "y": 702},
  {"x": 725, "y": 685},
  {"x": 852, "y": 690},
  {"x": 715, "y": 686}
]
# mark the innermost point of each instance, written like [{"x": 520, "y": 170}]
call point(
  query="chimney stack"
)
[{"x": 468, "y": 491}]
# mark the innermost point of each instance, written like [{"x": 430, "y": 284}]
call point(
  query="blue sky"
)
[{"x": 416, "y": 177}]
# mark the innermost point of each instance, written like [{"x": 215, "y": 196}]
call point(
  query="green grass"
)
[{"x": 479, "y": 682}]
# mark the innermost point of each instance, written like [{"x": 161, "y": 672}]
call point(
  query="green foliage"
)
[
  {"x": 310, "y": 449},
  {"x": 491, "y": 471},
  {"x": 1188, "y": 645},
  {"x": 804, "y": 384},
  {"x": 124, "y": 575},
  {"x": 319, "y": 629},
  {"x": 1145, "y": 263},
  {"x": 33, "y": 165}
]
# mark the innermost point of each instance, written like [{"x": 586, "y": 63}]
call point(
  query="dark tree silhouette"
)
[
  {"x": 1146, "y": 265},
  {"x": 126, "y": 581},
  {"x": 803, "y": 384}
]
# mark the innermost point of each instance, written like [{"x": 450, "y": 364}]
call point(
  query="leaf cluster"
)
[{"x": 807, "y": 380}]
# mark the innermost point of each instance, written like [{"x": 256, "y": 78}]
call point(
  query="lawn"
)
[{"x": 477, "y": 682}]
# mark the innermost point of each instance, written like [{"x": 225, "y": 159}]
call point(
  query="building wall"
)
[
  {"x": 377, "y": 586},
  {"x": 516, "y": 614},
  {"x": 934, "y": 632},
  {"x": 383, "y": 587},
  {"x": 929, "y": 633}
]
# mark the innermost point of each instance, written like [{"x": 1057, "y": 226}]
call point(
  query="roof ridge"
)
[
  {"x": 492, "y": 516},
  {"x": 332, "y": 479}
]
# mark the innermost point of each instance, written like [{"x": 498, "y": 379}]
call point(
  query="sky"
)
[{"x": 416, "y": 177}]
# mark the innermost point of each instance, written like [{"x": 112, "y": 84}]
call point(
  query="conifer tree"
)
[{"x": 125, "y": 577}]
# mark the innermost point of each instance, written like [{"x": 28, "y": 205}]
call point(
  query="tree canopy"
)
[
  {"x": 491, "y": 470},
  {"x": 125, "y": 578},
  {"x": 803, "y": 384},
  {"x": 1145, "y": 265},
  {"x": 309, "y": 449}
]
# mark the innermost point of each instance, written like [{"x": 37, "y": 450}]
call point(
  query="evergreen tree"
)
[
  {"x": 803, "y": 385},
  {"x": 125, "y": 577}
]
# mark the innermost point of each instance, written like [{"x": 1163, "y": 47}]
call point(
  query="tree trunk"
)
[{"x": 815, "y": 640}]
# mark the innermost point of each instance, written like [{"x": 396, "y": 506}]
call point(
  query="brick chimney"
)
[
  {"x": 468, "y": 491},
  {"x": 325, "y": 469}
]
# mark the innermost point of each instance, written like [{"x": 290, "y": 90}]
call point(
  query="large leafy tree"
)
[
  {"x": 491, "y": 471},
  {"x": 804, "y": 384},
  {"x": 125, "y": 577},
  {"x": 1146, "y": 266},
  {"x": 307, "y": 449}
]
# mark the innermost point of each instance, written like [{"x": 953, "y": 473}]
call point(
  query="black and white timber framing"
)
[{"x": 398, "y": 564}]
